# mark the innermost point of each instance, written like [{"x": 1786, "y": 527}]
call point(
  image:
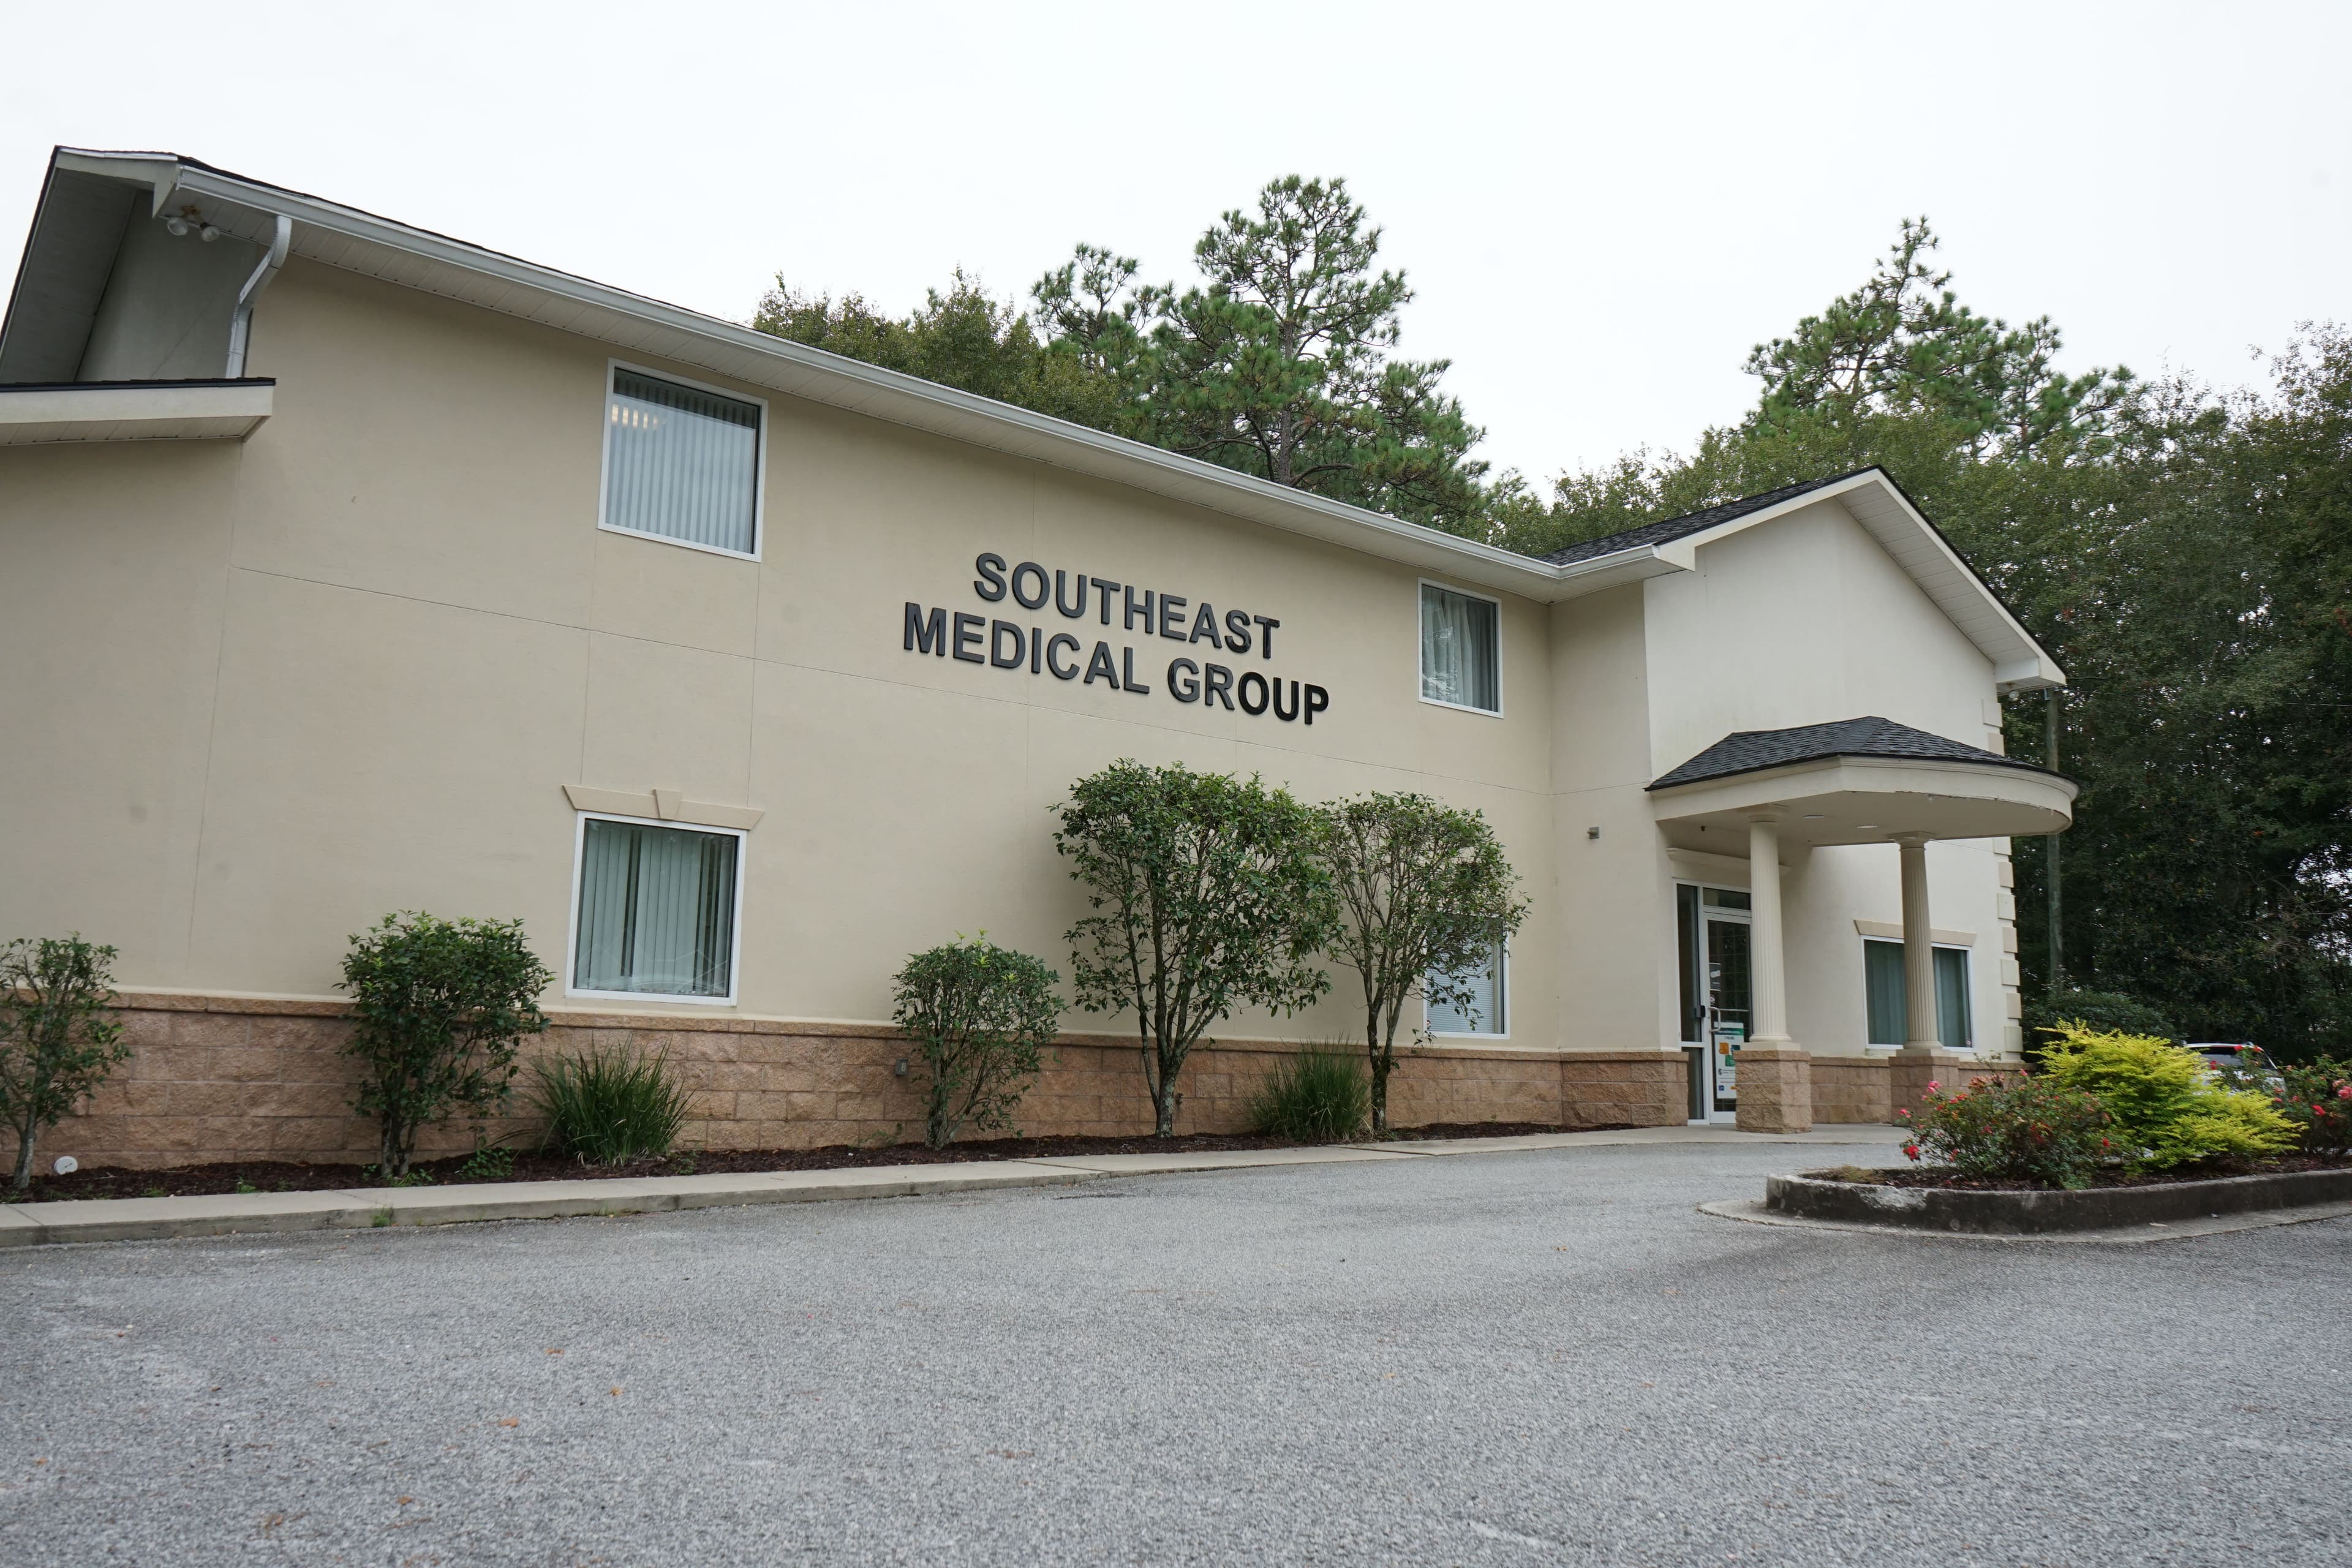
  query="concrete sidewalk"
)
[{"x": 234, "y": 1214}]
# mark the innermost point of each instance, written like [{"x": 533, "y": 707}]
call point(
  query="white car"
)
[{"x": 2242, "y": 1064}]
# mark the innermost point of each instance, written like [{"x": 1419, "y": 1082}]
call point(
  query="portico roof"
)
[{"x": 1856, "y": 780}]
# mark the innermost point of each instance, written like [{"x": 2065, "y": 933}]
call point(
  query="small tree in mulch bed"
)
[
  {"x": 440, "y": 1007},
  {"x": 1427, "y": 896},
  {"x": 56, "y": 1044},
  {"x": 979, "y": 1014},
  {"x": 1207, "y": 897}
]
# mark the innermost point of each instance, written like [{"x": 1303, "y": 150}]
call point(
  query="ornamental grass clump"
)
[
  {"x": 2028, "y": 1132},
  {"x": 609, "y": 1107},
  {"x": 1317, "y": 1096},
  {"x": 2169, "y": 1110}
]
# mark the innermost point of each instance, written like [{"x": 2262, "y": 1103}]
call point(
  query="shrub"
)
[
  {"x": 2110, "y": 1010},
  {"x": 2167, "y": 1108},
  {"x": 2028, "y": 1130},
  {"x": 1315, "y": 1095},
  {"x": 978, "y": 1014},
  {"x": 610, "y": 1106},
  {"x": 2316, "y": 1101},
  {"x": 439, "y": 1005},
  {"x": 56, "y": 1045}
]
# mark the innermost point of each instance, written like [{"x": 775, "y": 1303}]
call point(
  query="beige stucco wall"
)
[
  {"x": 348, "y": 666},
  {"x": 1802, "y": 622}
]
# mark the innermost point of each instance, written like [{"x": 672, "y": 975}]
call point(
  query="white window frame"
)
[
  {"x": 1502, "y": 1034},
  {"x": 1496, "y": 710},
  {"x": 572, "y": 937},
  {"x": 1968, "y": 990},
  {"x": 759, "y": 465}
]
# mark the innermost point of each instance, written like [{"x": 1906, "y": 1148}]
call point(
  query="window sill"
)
[{"x": 1463, "y": 708}]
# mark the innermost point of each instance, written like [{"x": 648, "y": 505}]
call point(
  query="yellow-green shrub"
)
[{"x": 2163, "y": 1099}]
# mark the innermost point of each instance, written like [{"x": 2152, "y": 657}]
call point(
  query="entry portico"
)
[{"x": 1852, "y": 782}]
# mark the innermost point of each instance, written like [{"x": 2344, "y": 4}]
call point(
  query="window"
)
[
  {"x": 1461, "y": 657},
  {"x": 1881, "y": 973},
  {"x": 682, "y": 463},
  {"x": 1486, "y": 1012},
  {"x": 656, "y": 911}
]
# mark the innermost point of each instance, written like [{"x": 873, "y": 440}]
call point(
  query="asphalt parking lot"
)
[{"x": 1535, "y": 1358}]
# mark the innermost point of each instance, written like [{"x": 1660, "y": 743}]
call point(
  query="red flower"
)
[{"x": 1911, "y": 1149}]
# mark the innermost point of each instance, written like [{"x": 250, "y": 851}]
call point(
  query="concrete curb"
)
[
  {"x": 1752, "y": 1211},
  {"x": 255, "y": 1214}
]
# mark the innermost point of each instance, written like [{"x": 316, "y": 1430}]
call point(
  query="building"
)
[{"x": 352, "y": 568}]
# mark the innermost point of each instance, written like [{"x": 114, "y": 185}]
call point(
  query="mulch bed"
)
[
  {"x": 287, "y": 1176},
  {"x": 1931, "y": 1176}
]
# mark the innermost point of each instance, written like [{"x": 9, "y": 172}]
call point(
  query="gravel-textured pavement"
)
[{"x": 1498, "y": 1360}]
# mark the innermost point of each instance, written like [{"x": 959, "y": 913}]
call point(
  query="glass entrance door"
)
[{"x": 1727, "y": 1002}]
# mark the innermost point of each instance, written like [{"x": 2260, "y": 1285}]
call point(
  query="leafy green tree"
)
[
  {"x": 1281, "y": 365},
  {"x": 57, "y": 1045},
  {"x": 979, "y": 1014},
  {"x": 440, "y": 1007},
  {"x": 1426, "y": 894},
  {"x": 1208, "y": 897},
  {"x": 963, "y": 337}
]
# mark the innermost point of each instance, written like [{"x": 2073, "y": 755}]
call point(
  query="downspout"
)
[{"x": 240, "y": 326}]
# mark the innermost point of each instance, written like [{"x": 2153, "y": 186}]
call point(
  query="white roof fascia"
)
[
  {"x": 160, "y": 171},
  {"x": 2019, "y": 663}
]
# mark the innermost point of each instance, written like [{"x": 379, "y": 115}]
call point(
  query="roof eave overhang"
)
[
  {"x": 346, "y": 238},
  {"x": 1867, "y": 800},
  {"x": 117, "y": 411}
]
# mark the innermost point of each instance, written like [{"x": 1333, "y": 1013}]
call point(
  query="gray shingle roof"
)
[
  {"x": 1752, "y": 751},
  {"x": 1675, "y": 527}
]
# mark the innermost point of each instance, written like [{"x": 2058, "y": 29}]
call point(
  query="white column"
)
[
  {"x": 1769, "y": 979},
  {"x": 1919, "y": 948}
]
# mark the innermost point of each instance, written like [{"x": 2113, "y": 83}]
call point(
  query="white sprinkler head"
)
[{"x": 65, "y": 1166}]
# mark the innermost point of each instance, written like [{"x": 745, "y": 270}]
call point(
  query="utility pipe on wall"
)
[{"x": 240, "y": 326}]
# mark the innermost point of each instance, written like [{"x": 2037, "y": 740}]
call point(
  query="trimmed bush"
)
[
  {"x": 2168, "y": 1109},
  {"x": 1316, "y": 1096},
  {"x": 440, "y": 1006},
  {"x": 55, "y": 1045},
  {"x": 608, "y": 1107},
  {"x": 2030, "y": 1131},
  {"x": 978, "y": 1014}
]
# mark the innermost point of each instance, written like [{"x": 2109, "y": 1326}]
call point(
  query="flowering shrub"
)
[
  {"x": 2168, "y": 1109},
  {"x": 2027, "y": 1131},
  {"x": 2317, "y": 1102}
]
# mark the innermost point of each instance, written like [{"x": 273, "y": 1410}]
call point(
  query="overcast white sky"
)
[{"x": 1602, "y": 208}]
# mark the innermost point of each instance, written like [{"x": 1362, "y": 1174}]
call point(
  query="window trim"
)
[
  {"x": 1496, "y": 710},
  {"x": 1502, "y": 1034},
  {"x": 759, "y": 465},
  {"x": 1967, "y": 993},
  {"x": 571, "y": 930}
]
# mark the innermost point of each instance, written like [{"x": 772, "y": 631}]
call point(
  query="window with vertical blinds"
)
[
  {"x": 681, "y": 463},
  {"x": 1885, "y": 994},
  {"x": 656, "y": 911},
  {"x": 1461, "y": 660},
  {"x": 1486, "y": 1013}
]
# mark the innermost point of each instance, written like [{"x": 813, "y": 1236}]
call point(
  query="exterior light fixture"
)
[{"x": 177, "y": 225}]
